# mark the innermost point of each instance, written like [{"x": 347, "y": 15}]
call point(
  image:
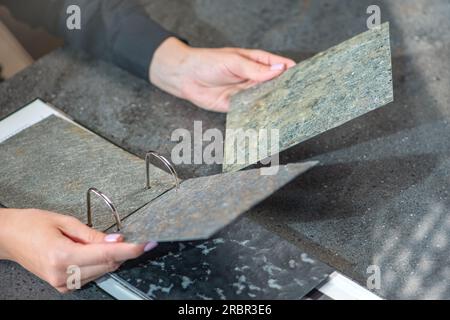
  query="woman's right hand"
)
[{"x": 47, "y": 244}]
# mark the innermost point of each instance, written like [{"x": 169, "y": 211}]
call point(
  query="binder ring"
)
[
  {"x": 166, "y": 163},
  {"x": 108, "y": 202}
]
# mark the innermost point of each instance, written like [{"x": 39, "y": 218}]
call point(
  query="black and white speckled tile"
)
[{"x": 243, "y": 261}]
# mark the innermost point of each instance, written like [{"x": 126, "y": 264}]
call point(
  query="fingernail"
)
[
  {"x": 277, "y": 66},
  {"x": 113, "y": 237},
  {"x": 150, "y": 245}
]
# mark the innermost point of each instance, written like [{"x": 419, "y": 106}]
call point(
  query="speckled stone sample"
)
[
  {"x": 53, "y": 163},
  {"x": 238, "y": 263},
  {"x": 318, "y": 94},
  {"x": 204, "y": 205}
]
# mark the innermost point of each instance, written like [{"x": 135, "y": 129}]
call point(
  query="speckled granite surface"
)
[
  {"x": 204, "y": 205},
  {"x": 243, "y": 261},
  {"x": 381, "y": 195},
  {"x": 318, "y": 94}
]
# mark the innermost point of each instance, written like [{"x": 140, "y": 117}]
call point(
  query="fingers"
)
[
  {"x": 79, "y": 232},
  {"x": 105, "y": 253},
  {"x": 265, "y": 57},
  {"x": 221, "y": 99},
  {"x": 247, "y": 69},
  {"x": 94, "y": 260},
  {"x": 258, "y": 65},
  {"x": 89, "y": 273},
  {"x": 86, "y": 281}
]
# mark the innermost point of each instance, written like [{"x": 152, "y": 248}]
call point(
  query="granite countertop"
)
[{"x": 379, "y": 197}]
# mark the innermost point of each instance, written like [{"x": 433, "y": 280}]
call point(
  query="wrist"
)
[
  {"x": 5, "y": 227},
  {"x": 165, "y": 70}
]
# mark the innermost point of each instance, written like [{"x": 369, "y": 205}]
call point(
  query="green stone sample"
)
[
  {"x": 204, "y": 205},
  {"x": 316, "y": 95}
]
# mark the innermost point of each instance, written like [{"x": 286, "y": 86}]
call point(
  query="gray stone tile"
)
[
  {"x": 203, "y": 206},
  {"x": 318, "y": 94}
]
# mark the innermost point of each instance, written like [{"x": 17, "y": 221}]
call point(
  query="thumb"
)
[
  {"x": 79, "y": 232},
  {"x": 255, "y": 71}
]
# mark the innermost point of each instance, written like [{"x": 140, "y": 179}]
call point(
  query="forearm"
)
[
  {"x": 117, "y": 31},
  {"x": 5, "y": 225},
  {"x": 37, "y": 13}
]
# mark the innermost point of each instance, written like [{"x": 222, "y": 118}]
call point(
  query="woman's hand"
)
[
  {"x": 209, "y": 77},
  {"x": 47, "y": 243}
]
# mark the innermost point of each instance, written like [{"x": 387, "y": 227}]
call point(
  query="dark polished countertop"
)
[{"x": 380, "y": 195}]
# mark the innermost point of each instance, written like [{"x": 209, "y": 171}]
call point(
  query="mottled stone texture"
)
[
  {"x": 202, "y": 206},
  {"x": 318, "y": 94},
  {"x": 238, "y": 263},
  {"x": 53, "y": 163}
]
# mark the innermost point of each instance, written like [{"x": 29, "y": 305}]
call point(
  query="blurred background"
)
[{"x": 20, "y": 45}]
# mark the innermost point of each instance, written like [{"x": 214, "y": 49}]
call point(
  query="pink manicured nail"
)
[
  {"x": 150, "y": 245},
  {"x": 113, "y": 237},
  {"x": 277, "y": 66}
]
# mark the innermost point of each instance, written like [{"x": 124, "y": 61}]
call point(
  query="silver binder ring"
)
[
  {"x": 166, "y": 163},
  {"x": 108, "y": 202}
]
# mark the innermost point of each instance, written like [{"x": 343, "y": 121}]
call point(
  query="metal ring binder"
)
[
  {"x": 108, "y": 202},
  {"x": 166, "y": 163}
]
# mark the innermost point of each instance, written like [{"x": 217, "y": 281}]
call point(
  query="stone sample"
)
[
  {"x": 316, "y": 95},
  {"x": 202, "y": 206},
  {"x": 53, "y": 163}
]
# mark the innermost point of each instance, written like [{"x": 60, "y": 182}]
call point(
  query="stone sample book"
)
[{"x": 51, "y": 165}]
